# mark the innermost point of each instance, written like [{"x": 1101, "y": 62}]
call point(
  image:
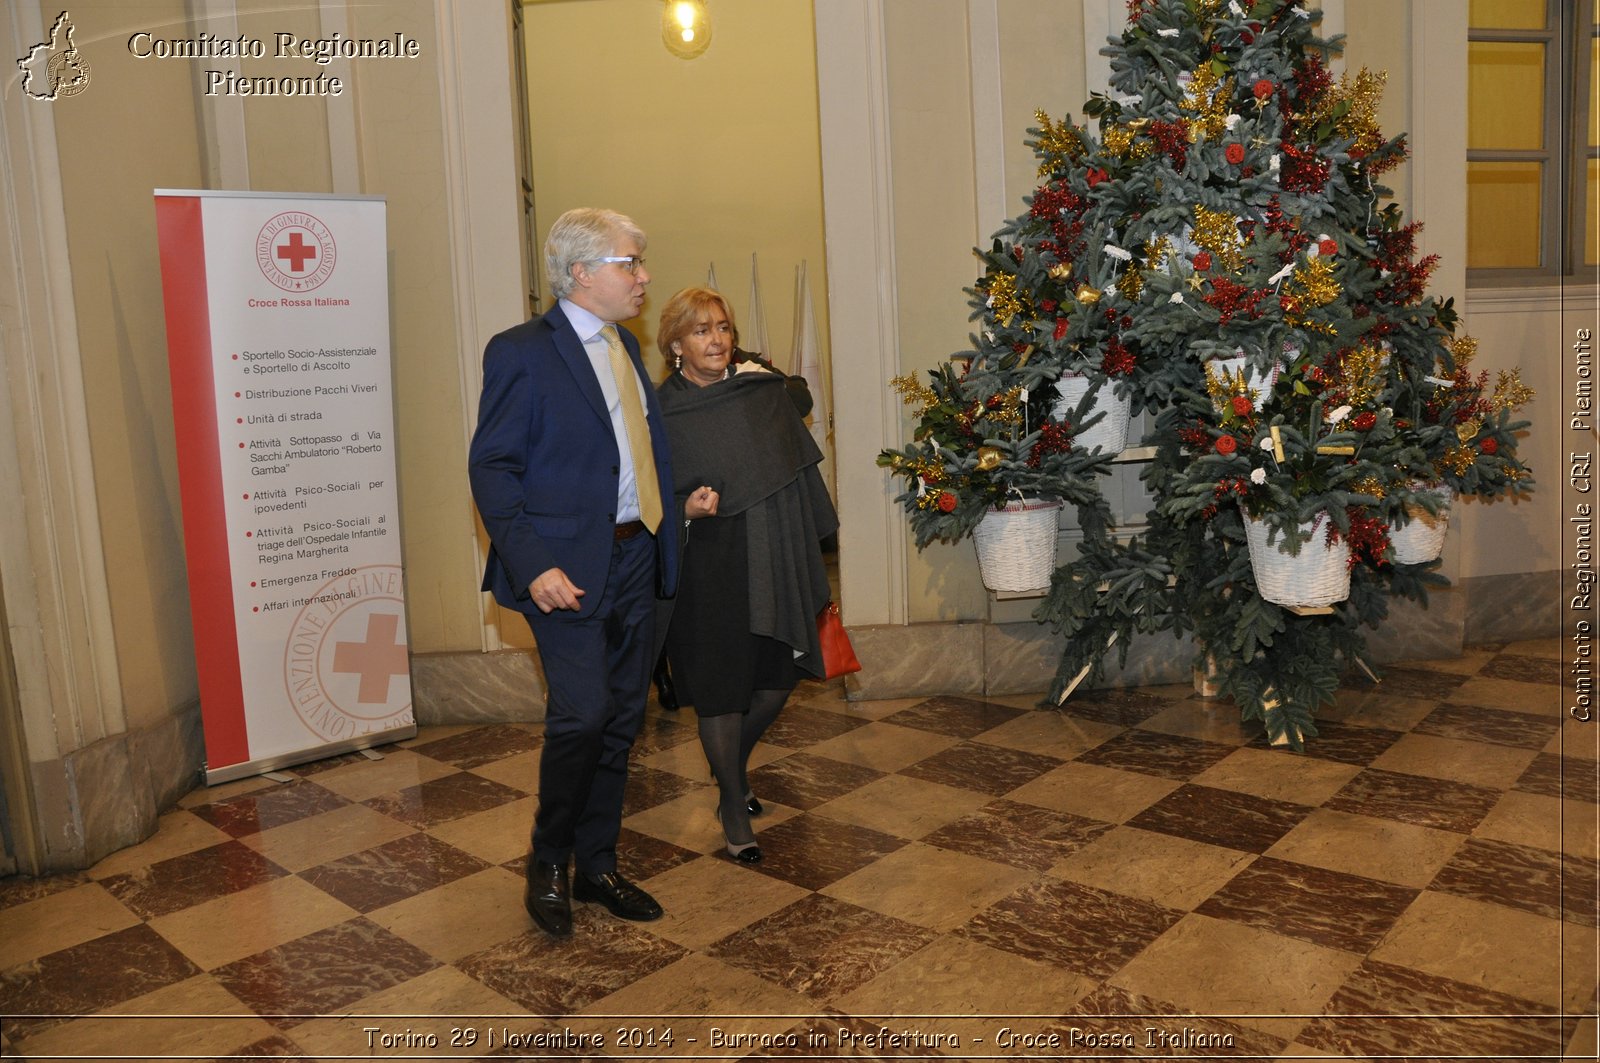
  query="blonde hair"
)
[{"x": 684, "y": 311}]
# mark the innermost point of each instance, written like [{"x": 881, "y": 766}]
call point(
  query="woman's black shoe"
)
[
  {"x": 752, "y": 804},
  {"x": 666, "y": 696}
]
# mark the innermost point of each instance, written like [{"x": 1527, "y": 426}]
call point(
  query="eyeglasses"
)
[{"x": 632, "y": 263}]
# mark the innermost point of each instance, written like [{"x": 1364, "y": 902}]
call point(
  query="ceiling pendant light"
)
[{"x": 685, "y": 27}]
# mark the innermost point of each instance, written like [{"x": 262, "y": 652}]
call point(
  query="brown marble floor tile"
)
[
  {"x": 1374, "y": 708},
  {"x": 1524, "y": 669},
  {"x": 265, "y": 809},
  {"x": 1404, "y": 682},
  {"x": 1221, "y": 817},
  {"x": 812, "y": 851},
  {"x": 1089, "y": 931},
  {"x": 441, "y": 800},
  {"x": 1313, "y": 904},
  {"x": 278, "y": 1046},
  {"x": 981, "y": 767},
  {"x": 1021, "y": 835},
  {"x": 22, "y": 889},
  {"x": 803, "y": 780},
  {"x": 821, "y": 946},
  {"x": 1519, "y": 876},
  {"x": 640, "y": 856},
  {"x": 1160, "y": 1028},
  {"x": 1501, "y": 726},
  {"x": 183, "y": 881},
  {"x": 662, "y": 731},
  {"x": 1151, "y": 753},
  {"x": 649, "y": 787},
  {"x": 1124, "y": 708},
  {"x": 469, "y": 749},
  {"x": 1203, "y": 719},
  {"x": 322, "y": 972},
  {"x": 392, "y": 872},
  {"x": 955, "y": 716},
  {"x": 555, "y": 977},
  {"x": 1415, "y": 799},
  {"x": 1555, "y": 776},
  {"x": 87, "y": 978},
  {"x": 1386, "y": 1010},
  {"x": 799, "y": 726},
  {"x": 1343, "y": 742}
]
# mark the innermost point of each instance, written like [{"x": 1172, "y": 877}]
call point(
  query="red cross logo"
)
[
  {"x": 296, "y": 252},
  {"x": 376, "y": 660}
]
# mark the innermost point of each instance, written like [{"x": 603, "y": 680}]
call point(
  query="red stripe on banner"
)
[{"x": 181, "y": 232}]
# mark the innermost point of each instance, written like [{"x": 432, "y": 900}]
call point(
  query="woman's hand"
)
[{"x": 702, "y": 502}]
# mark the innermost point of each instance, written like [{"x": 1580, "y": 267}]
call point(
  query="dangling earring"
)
[{"x": 677, "y": 362}]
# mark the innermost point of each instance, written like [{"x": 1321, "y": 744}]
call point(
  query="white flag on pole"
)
[
  {"x": 711, "y": 276},
  {"x": 753, "y": 337},
  {"x": 807, "y": 363}
]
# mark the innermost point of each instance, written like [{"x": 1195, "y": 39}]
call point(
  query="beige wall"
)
[{"x": 715, "y": 157}]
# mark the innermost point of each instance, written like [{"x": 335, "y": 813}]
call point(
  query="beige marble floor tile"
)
[
  {"x": 883, "y": 746},
  {"x": 454, "y": 1008},
  {"x": 686, "y": 758},
  {"x": 319, "y": 839},
  {"x": 1269, "y": 774},
  {"x": 689, "y": 821},
  {"x": 1375, "y": 708},
  {"x": 519, "y": 771},
  {"x": 952, "y": 977},
  {"x": 1470, "y": 661},
  {"x": 460, "y": 917},
  {"x": 1052, "y": 734},
  {"x": 1105, "y": 794},
  {"x": 1580, "y": 949},
  {"x": 700, "y": 985},
  {"x": 1173, "y": 872},
  {"x": 1382, "y": 849},
  {"x": 499, "y": 834},
  {"x": 1584, "y": 1044},
  {"x": 1578, "y": 739},
  {"x": 59, "y": 921},
  {"x": 903, "y": 806},
  {"x": 1211, "y": 720},
  {"x": 399, "y": 769},
  {"x": 171, "y": 1026},
  {"x": 205, "y": 795},
  {"x": 431, "y": 733},
  {"x": 1551, "y": 649},
  {"x": 1037, "y": 700},
  {"x": 1538, "y": 699},
  {"x": 929, "y": 886},
  {"x": 1542, "y": 822},
  {"x": 241, "y": 924},
  {"x": 1214, "y": 967},
  {"x": 177, "y": 832},
  {"x": 1479, "y": 763},
  {"x": 1484, "y": 944},
  {"x": 706, "y": 900}
]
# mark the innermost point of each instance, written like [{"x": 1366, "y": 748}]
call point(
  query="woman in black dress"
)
[{"x": 743, "y": 628}]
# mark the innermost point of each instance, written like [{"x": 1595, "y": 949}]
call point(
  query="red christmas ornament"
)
[
  {"x": 1242, "y": 405},
  {"x": 1227, "y": 445},
  {"x": 1234, "y": 153},
  {"x": 1327, "y": 247},
  {"x": 1048, "y": 305},
  {"x": 1489, "y": 446},
  {"x": 1202, "y": 261},
  {"x": 1061, "y": 327},
  {"x": 947, "y": 502},
  {"x": 1364, "y": 421},
  {"x": 1096, "y": 175},
  {"x": 1263, "y": 89}
]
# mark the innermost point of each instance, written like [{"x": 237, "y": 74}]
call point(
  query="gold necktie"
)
[{"x": 644, "y": 461}]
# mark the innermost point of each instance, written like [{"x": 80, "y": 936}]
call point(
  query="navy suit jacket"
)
[{"x": 544, "y": 465}]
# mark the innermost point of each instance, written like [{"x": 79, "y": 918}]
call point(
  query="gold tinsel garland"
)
[
  {"x": 1006, "y": 300},
  {"x": 1218, "y": 232},
  {"x": 1056, "y": 142},
  {"x": 912, "y": 392},
  {"x": 1462, "y": 350},
  {"x": 1369, "y": 485},
  {"x": 1362, "y": 374},
  {"x": 1509, "y": 391},
  {"x": 1208, "y": 100}
]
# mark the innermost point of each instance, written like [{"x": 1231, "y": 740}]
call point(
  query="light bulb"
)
[{"x": 685, "y": 27}]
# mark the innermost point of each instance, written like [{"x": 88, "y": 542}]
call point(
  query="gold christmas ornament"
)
[
  {"x": 988, "y": 458},
  {"x": 1087, "y": 293},
  {"x": 1060, "y": 271},
  {"x": 1467, "y": 429}
]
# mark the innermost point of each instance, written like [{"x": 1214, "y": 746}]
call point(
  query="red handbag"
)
[{"x": 838, "y": 656}]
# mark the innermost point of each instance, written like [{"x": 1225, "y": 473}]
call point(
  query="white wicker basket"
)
[
  {"x": 1422, "y": 539},
  {"x": 1111, "y": 433},
  {"x": 1017, "y": 545},
  {"x": 1318, "y": 575},
  {"x": 1227, "y": 369}
]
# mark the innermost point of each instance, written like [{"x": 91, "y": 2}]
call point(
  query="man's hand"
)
[
  {"x": 553, "y": 590},
  {"x": 701, "y": 503}
]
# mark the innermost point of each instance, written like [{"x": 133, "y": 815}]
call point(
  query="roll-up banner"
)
[{"x": 277, "y": 314}]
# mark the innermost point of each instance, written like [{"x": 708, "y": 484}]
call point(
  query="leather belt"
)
[{"x": 629, "y": 530}]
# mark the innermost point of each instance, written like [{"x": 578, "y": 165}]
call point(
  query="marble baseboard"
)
[
  {"x": 1415, "y": 632},
  {"x": 106, "y": 796},
  {"x": 1511, "y": 608},
  {"x": 902, "y": 661},
  {"x": 451, "y": 688},
  {"x": 1022, "y": 659}
]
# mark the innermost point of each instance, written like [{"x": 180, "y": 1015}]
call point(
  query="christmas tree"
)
[{"x": 1214, "y": 249}]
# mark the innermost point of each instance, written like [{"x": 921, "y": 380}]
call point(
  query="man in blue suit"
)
[{"x": 571, "y": 475}]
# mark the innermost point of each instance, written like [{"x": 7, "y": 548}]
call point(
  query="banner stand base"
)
[{"x": 245, "y": 769}]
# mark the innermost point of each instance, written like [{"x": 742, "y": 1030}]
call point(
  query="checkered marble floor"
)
[{"x": 945, "y": 877}]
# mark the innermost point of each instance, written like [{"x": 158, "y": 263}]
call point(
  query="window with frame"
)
[{"x": 1533, "y": 140}]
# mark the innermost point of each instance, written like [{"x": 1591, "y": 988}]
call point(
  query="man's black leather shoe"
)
[
  {"x": 548, "y": 898},
  {"x": 621, "y": 897},
  {"x": 666, "y": 693}
]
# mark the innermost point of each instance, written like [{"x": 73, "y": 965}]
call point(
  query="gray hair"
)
[{"x": 583, "y": 234}]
